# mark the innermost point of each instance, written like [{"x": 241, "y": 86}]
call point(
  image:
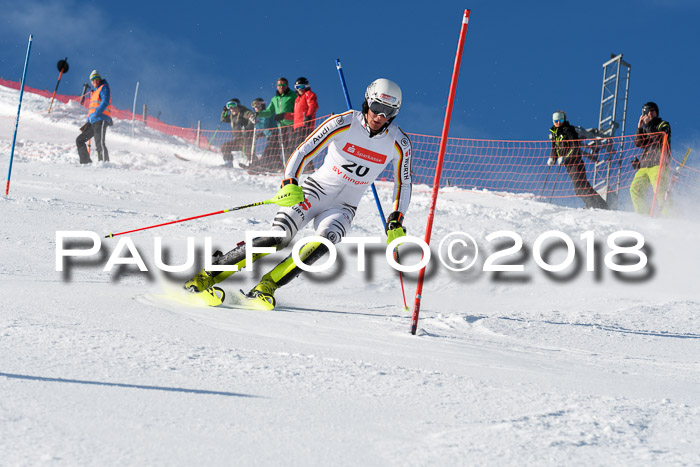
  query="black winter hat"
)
[{"x": 650, "y": 106}]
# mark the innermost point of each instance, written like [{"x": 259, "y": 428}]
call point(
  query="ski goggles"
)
[
  {"x": 231, "y": 104},
  {"x": 379, "y": 108},
  {"x": 299, "y": 87},
  {"x": 558, "y": 120}
]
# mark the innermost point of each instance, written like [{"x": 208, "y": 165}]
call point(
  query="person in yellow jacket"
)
[
  {"x": 99, "y": 118},
  {"x": 650, "y": 136}
]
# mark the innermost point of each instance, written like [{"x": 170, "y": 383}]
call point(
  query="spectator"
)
[
  {"x": 99, "y": 118},
  {"x": 650, "y": 135},
  {"x": 305, "y": 107},
  {"x": 566, "y": 151},
  {"x": 242, "y": 120},
  {"x": 281, "y": 109},
  {"x": 264, "y": 128}
]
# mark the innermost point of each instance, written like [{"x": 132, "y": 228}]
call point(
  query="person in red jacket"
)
[{"x": 305, "y": 107}]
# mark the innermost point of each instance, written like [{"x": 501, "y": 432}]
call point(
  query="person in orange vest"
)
[{"x": 99, "y": 118}]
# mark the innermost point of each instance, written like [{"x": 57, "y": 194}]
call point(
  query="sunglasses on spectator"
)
[
  {"x": 378, "y": 108},
  {"x": 299, "y": 87},
  {"x": 281, "y": 85}
]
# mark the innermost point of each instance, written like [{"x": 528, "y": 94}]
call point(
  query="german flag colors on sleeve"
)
[{"x": 315, "y": 143}]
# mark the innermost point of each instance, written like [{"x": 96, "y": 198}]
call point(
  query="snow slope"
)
[{"x": 583, "y": 368}]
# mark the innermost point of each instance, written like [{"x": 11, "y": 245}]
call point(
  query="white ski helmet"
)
[
  {"x": 383, "y": 97},
  {"x": 559, "y": 115}
]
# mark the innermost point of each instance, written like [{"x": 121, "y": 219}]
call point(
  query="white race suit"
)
[{"x": 354, "y": 161}]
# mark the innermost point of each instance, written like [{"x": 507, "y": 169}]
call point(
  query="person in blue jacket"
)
[{"x": 99, "y": 118}]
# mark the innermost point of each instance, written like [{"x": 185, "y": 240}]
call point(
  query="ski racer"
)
[
  {"x": 360, "y": 146},
  {"x": 650, "y": 136}
]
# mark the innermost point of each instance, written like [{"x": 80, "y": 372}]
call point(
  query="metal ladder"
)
[{"x": 613, "y": 117}]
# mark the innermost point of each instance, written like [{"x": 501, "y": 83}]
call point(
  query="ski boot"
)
[
  {"x": 263, "y": 293},
  {"x": 199, "y": 283}
]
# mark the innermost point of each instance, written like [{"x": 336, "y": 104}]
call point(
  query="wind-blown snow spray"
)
[{"x": 19, "y": 107}]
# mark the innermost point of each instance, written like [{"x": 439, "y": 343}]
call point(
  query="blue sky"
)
[{"x": 522, "y": 60}]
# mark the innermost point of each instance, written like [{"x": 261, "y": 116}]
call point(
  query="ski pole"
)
[
  {"x": 554, "y": 185},
  {"x": 284, "y": 159},
  {"x": 213, "y": 136},
  {"x": 62, "y": 66},
  {"x": 209, "y": 145},
  {"x": 252, "y": 147},
  {"x": 674, "y": 179},
  {"x": 237, "y": 208},
  {"x": 374, "y": 189},
  {"x": 544, "y": 185},
  {"x": 19, "y": 107}
]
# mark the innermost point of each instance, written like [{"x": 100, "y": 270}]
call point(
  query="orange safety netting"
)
[
  {"x": 502, "y": 166},
  {"x": 518, "y": 167}
]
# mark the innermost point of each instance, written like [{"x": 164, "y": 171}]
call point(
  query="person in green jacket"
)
[
  {"x": 650, "y": 136},
  {"x": 279, "y": 147}
]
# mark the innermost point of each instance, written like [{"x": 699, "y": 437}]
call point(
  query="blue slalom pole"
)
[
  {"x": 347, "y": 101},
  {"x": 374, "y": 190},
  {"x": 19, "y": 107}
]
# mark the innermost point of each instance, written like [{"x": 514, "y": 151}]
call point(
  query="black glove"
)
[
  {"x": 394, "y": 221},
  {"x": 635, "y": 163},
  {"x": 85, "y": 127},
  {"x": 393, "y": 227},
  {"x": 278, "y": 117}
]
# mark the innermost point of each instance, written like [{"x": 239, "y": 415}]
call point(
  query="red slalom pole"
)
[{"x": 441, "y": 157}]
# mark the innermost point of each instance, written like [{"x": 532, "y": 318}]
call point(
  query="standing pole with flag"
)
[
  {"x": 62, "y": 66},
  {"x": 441, "y": 157},
  {"x": 133, "y": 110},
  {"x": 19, "y": 108}
]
